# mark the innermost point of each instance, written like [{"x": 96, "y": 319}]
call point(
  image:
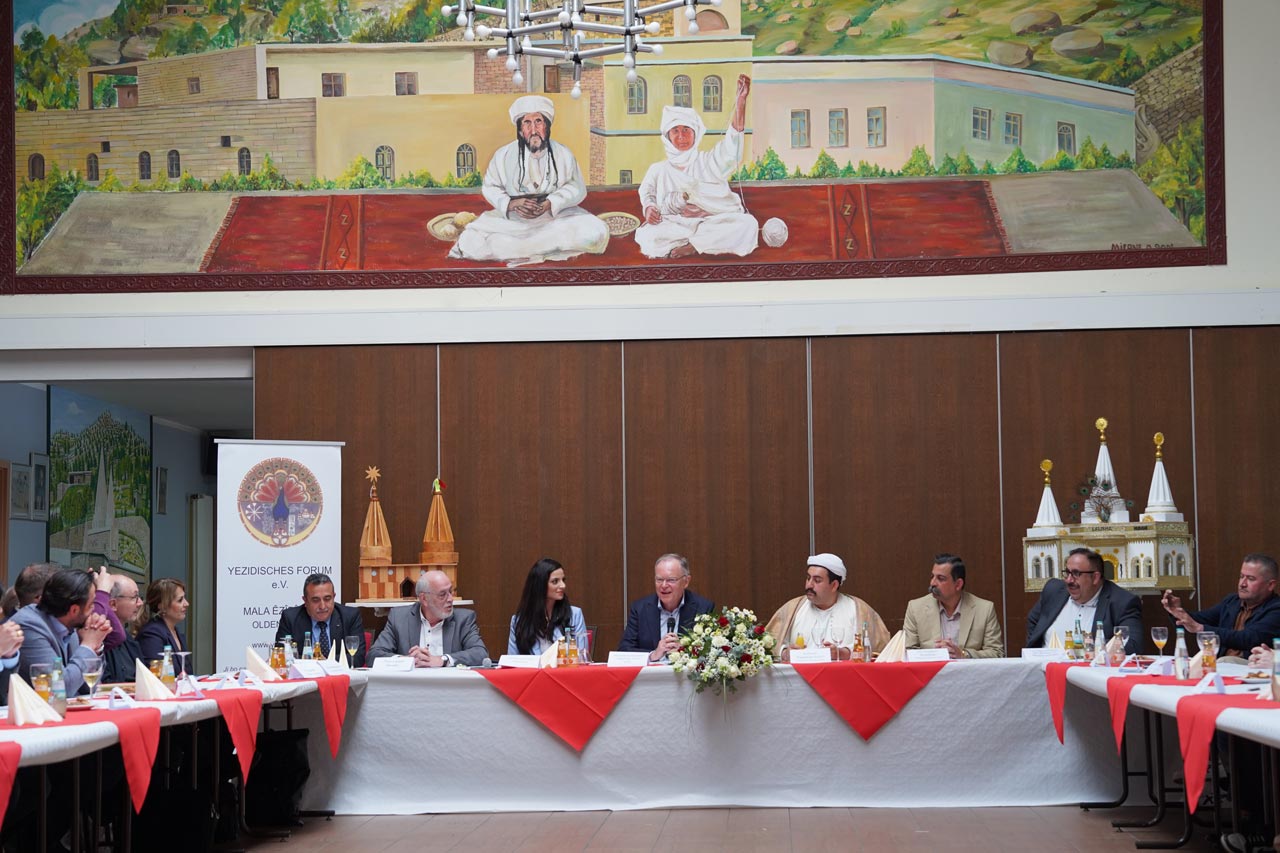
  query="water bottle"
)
[
  {"x": 288, "y": 650},
  {"x": 1181, "y": 660},
  {"x": 1275, "y": 669},
  {"x": 1090, "y": 644},
  {"x": 866, "y": 643},
  {"x": 1100, "y": 645},
  {"x": 166, "y": 669},
  {"x": 308, "y": 653},
  {"x": 58, "y": 688}
]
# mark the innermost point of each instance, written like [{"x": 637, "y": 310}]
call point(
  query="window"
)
[
  {"x": 244, "y": 160},
  {"x": 144, "y": 166},
  {"x": 406, "y": 82},
  {"x": 1036, "y": 568},
  {"x": 682, "y": 91},
  {"x": 105, "y": 147},
  {"x": 91, "y": 167},
  {"x": 333, "y": 85},
  {"x": 273, "y": 83},
  {"x": 624, "y": 177},
  {"x": 551, "y": 78},
  {"x": 875, "y": 127},
  {"x": 1067, "y": 138},
  {"x": 175, "y": 164},
  {"x": 711, "y": 89},
  {"x": 1048, "y": 565},
  {"x": 799, "y": 128},
  {"x": 466, "y": 160},
  {"x": 838, "y": 129},
  {"x": 982, "y": 123},
  {"x": 35, "y": 167},
  {"x": 385, "y": 161},
  {"x": 225, "y": 142},
  {"x": 1012, "y": 129},
  {"x": 193, "y": 85},
  {"x": 637, "y": 97}
]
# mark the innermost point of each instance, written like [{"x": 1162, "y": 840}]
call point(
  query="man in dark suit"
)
[
  {"x": 1087, "y": 596},
  {"x": 1247, "y": 618},
  {"x": 430, "y": 630},
  {"x": 326, "y": 620},
  {"x": 654, "y": 623}
]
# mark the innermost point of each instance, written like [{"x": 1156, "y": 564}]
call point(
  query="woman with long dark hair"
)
[{"x": 545, "y": 614}]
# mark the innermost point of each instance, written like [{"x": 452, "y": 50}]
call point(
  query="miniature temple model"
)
[
  {"x": 437, "y": 540},
  {"x": 381, "y": 580},
  {"x": 1145, "y": 556}
]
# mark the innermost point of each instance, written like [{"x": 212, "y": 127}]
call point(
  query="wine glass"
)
[
  {"x": 92, "y": 672},
  {"x": 352, "y": 642},
  {"x": 837, "y": 637},
  {"x": 1123, "y": 631},
  {"x": 1160, "y": 636},
  {"x": 182, "y": 663}
]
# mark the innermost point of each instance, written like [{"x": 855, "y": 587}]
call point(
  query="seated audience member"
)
[
  {"x": 432, "y": 631},
  {"x": 824, "y": 615},
  {"x": 62, "y": 627},
  {"x": 1087, "y": 597},
  {"x": 10, "y": 645},
  {"x": 324, "y": 618},
  {"x": 544, "y": 614},
  {"x": 9, "y": 603},
  {"x": 655, "y": 621},
  {"x": 30, "y": 582},
  {"x": 102, "y": 581},
  {"x": 1246, "y": 618},
  {"x": 952, "y": 618},
  {"x": 125, "y": 602},
  {"x": 166, "y": 607}
]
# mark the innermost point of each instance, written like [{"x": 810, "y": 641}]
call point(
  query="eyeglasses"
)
[
  {"x": 1072, "y": 573},
  {"x": 668, "y": 581},
  {"x": 137, "y": 596},
  {"x": 442, "y": 595}
]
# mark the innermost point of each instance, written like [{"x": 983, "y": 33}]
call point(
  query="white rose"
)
[{"x": 719, "y": 640}]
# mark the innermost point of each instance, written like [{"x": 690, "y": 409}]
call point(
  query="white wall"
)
[{"x": 1245, "y": 291}]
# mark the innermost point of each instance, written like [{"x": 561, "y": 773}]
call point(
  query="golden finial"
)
[
  {"x": 1046, "y": 466},
  {"x": 372, "y": 473},
  {"x": 1101, "y": 425},
  {"x": 1158, "y": 438}
]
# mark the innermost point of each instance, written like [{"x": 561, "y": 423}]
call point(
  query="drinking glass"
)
[
  {"x": 42, "y": 679},
  {"x": 182, "y": 663},
  {"x": 1160, "y": 636},
  {"x": 837, "y": 637},
  {"x": 1208, "y": 641},
  {"x": 1123, "y": 631},
  {"x": 92, "y": 672},
  {"x": 584, "y": 647},
  {"x": 352, "y": 644}
]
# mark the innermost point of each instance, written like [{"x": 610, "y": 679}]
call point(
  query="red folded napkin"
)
[
  {"x": 1055, "y": 680},
  {"x": 1119, "y": 688},
  {"x": 868, "y": 696},
  {"x": 10, "y": 755},
  {"x": 241, "y": 708},
  {"x": 571, "y": 701},
  {"x": 333, "y": 701},
  {"x": 1197, "y": 718}
]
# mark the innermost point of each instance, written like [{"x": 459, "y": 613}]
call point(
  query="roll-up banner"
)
[{"x": 279, "y": 520}]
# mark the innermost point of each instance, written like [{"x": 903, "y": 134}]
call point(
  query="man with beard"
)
[
  {"x": 431, "y": 631},
  {"x": 63, "y": 627},
  {"x": 1085, "y": 596},
  {"x": 1247, "y": 618},
  {"x": 688, "y": 205},
  {"x": 952, "y": 618},
  {"x": 824, "y": 616},
  {"x": 535, "y": 187}
]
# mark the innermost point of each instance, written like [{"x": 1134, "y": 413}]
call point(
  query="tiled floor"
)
[{"x": 1043, "y": 830}]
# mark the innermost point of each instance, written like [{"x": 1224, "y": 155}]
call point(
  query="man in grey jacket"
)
[
  {"x": 431, "y": 631},
  {"x": 63, "y": 627}
]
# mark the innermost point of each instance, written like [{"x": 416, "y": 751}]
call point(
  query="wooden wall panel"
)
[
  {"x": 717, "y": 467},
  {"x": 532, "y": 449},
  {"x": 906, "y": 462},
  {"x": 1237, "y": 409},
  {"x": 1054, "y": 385},
  {"x": 380, "y": 400}
]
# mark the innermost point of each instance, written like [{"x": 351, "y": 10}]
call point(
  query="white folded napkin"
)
[
  {"x": 1197, "y": 666},
  {"x": 895, "y": 651},
  {"x": 26, "y": 708},
  {"x": 147, "y": 687},
  {"x": 338, "y": 655},
  {"x": 258, "y": 666},
  {"x": 548, "y": 659},
  {"x": 1055, "y": 641}
]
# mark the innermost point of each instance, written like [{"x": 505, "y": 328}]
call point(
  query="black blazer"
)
[
  {"x": 154, "y": 636},
  {"x": 343, "y": 621},
  {"x": 1263, "y": 626},
  {"x": 642, "y": 633},
  {"x": 1116, "y": 606}
]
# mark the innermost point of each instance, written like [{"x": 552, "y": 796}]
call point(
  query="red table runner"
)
[
  {"x": 241, "y": 708},
  {"x": 1119, "y": 688},
  {"x": 10, "y": 755},
  {"x": 571, "y": 701},
  {"x": 139, "y": 730},
  {"x": 1055, "y": 680},
  {"x": 1197, "y": 718},
  {"x": 868, "y": 696},
  {"x": 333, "y": 701}
]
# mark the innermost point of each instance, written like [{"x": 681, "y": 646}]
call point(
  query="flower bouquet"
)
[{"x": 721, "y": 649}]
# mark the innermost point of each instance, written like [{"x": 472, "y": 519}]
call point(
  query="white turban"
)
[
  {"x": 681, "y": 117},
  {"x": 526, "y": 104}
]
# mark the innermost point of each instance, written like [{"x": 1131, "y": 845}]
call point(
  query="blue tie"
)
[{"x": 323, "y": 637}]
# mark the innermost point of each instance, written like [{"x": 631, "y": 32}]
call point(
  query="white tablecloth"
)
[{"x": 446, "y": 741}]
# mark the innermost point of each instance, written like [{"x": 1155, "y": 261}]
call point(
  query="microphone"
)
[{"x": 671, "y": 624}]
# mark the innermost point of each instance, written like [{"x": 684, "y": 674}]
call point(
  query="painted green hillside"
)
[{"x": 1128, "y": 34}]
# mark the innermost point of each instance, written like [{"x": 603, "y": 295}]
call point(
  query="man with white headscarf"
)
[
  {"x": 535, "y": 186},
  {"x": 688, "y": 205}
]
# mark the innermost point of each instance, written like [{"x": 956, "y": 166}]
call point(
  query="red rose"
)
[
  {"x": 724, "y": 620},
  {"x": 759, "y": 629},
  {"x": 726, "y": 649},
  {"x": 746, "y": 658}
]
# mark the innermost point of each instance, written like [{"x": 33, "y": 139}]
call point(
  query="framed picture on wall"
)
[
  {"x": 20, "y": 491},
  {"x": 39, "y": 487},
  {"x": 162, "y": 491}
]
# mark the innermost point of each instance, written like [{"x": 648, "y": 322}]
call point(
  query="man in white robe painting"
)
[
  {"x": 535, "y": 186},
  {"x": 688, "y": 205}
]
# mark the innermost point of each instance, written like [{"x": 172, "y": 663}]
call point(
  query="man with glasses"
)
[
  {"x": 124, "y": 602},
  {"x": 1084, "y": 595},
  {"x": 655, "y": 621},
  {"x": 327, "y": 620},
  {"x": 431, "y": 631}
]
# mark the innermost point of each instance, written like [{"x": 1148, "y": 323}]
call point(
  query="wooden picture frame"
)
[
  {"x": 39, "y": 499},
  {"x": 19, "y": 492}
]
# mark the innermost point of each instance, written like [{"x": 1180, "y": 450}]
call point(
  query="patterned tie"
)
[{"x": 324, "y": 638}]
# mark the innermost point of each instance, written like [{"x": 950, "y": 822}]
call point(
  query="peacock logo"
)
[{"x": 280, "y": 502}]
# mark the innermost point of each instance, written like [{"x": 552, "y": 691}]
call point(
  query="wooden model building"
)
[{"x": 384, "y": 581}]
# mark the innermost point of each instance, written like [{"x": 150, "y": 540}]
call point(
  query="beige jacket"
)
[
  {"x": 780, "y": 625},
  {"x": 980, "y": 635}
]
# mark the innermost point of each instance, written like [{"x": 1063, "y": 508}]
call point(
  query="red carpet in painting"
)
[{"x": 388, "y": 230}]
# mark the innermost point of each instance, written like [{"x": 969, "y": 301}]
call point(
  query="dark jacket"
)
[
  {"x": 154, "y": 636},
  {"x": 1116, "y": 606},
  {"x": 1263, "y": 626},
  {"x": 643, "y": 631},
  {"x": 118, "y": 663},
  {"x": 344, "y": 620}
]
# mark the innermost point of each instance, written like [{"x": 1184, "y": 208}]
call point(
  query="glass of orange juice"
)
[{"x": 42, "y": 679}]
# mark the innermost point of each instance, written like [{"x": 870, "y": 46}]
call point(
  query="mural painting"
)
[{"x": 237, "y": 143}]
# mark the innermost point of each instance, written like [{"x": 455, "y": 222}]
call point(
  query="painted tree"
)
[
  {"x": 1175, "y": 173},
  {"x": 825, "y": 166}
]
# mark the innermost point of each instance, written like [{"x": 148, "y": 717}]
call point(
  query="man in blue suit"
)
[
  {"x": 320, "y": 615},
  {"x": 654, "y": 623},
  {"x": 1248, "y": 617}
]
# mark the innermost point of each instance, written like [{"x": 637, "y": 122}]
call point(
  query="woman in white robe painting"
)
[{"x": 688, "y": 205}]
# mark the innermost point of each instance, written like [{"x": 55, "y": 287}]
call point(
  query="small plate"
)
[
  {"x": 1262, "y": 680},
  {"x": 620, "y": 223},
  {"x": 80, "y": 704}
]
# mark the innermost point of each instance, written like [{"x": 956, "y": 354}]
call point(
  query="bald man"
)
[{"x": 431, "y": 630}]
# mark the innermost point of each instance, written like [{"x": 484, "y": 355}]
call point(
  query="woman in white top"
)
[{"x": 544, "y": 614}]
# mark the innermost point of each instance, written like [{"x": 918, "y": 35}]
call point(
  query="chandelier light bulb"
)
[
  {"x": 518, "y": 79},
  {"x": 657, "y": 50},
  {"x": 575, "y": 18},
  {"x": 716, "y": 2},
  {"x": 577, "y": 92},
  {"x": 690, "y": 12},
  {"x": 693, "y": 28},
  {"x": 511, "y": 63},
  {"x": 629, "y": 61},
  {"x": 564, "y": 17},
  {"x": 483, "y": 31},
  {"x": 631, "y": 75},
  {"x": 652, "y": 27},
  {"x": 447, "y": 11},
  {"x": 492, "y": 53},
  {"x": 468, "y": 34},
  {"x": 527, "y": 44}
]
